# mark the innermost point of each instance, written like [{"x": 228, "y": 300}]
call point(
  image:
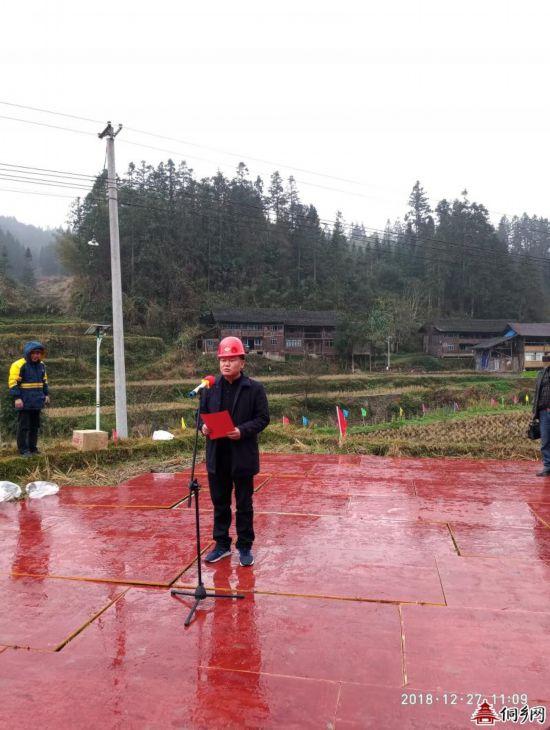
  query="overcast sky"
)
[{"x": 377, "y": 94}]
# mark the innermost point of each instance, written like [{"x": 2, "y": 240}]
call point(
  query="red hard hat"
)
[{"x": 230, "y": 347}]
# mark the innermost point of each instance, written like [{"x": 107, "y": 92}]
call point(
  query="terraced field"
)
[{"x": 467, "y": 413}]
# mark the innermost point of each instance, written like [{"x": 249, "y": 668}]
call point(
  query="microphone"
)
[{"x": 207, "y": 382}]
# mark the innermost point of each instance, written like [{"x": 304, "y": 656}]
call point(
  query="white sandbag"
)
[
  {"x": 162, "y": 436},
  {"x": 9, "y": 490},
  {"x": 39, "y": 489}
]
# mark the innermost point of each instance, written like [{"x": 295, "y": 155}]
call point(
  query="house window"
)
[
  {"x": 450, "y": 347},
  {"x": 210, "y": 345},
  {"x": 532, "y": 356},
  {"x": 330, "y": 343},
  {"x": 293, "y": 343},
  {"x": 257, "y": 342},
  {"x": 273, "y": 340}
]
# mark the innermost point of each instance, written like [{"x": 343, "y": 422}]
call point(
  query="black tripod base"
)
[{"x": 199, "y": 594}]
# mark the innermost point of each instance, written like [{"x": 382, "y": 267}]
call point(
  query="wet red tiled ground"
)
[{"x": 386, "y": 593}]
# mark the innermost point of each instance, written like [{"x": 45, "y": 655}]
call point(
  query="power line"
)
[
  {"x": 45, "y": 124},
  {"x": 49, "y": 111},
  {"x": 33, "y": 170},
  {"x": 35, "y": 192},
  {"x": 187, "y": 142},
  {"x": 39, "y": 181}
]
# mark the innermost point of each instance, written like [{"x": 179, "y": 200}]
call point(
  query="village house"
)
[
  {"x": 273, "y": 333},
  {"x": 455, "y": 338},
  {"x": 519, "y": 348}
]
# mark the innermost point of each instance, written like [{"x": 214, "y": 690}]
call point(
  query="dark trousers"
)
[
  {"x": 28, "y": 423},
  {"x": 221, "y": 487},
  {"x": 544, "y": 416}
]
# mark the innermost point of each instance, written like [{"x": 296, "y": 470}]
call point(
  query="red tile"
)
[
  {"x": 155, "y": 495},
  {"x": 44, "y": 613},
  {"x": 514, "y": 542},
  {"x": 482, "y": 511},
  {"x": 349, "y": 486},
  {"x": 297, "y": 636},
  {"x": 282, "y": 635},
  {"x": 291, "y": 498},
  {"x": 335, "y": 573},
  {"x": 290, "y": 464},
  {"x": 237, "y": 699},
  {"x": 147, "y": 671},
  {"x": 477, "y": 650},
  {"x": 374, "y": 542},
  {"x": 121, "y": 545},
  {"x": 542, "y": 512},
  {"x": 23, "y": 516},
  {"x": 401, "y": 508},
  {"x": 495, "y": 583},
  {"x": 497, "y": 488},
  {"x": 390, "y": 708}
]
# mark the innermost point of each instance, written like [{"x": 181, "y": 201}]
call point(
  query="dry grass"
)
[
  {"x": 495, "y": 436},
  {"x": 96, "y": 475}
]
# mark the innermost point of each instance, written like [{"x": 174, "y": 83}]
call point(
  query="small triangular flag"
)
[
  {"x": 115, "y": 436},
  {"x": 305, "y": 421},
  {"x": 183, "y": 424},
  {"x": 364, "y": 412},
  {"x": 286, "y": 421},
  {"x": 401, "y": 412},
  {"x": 527, "y": 397},
  {"x": 342, "y": 423},
  {"x": 346, "y": 413}
]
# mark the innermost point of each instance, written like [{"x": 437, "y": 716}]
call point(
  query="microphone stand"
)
[{"x": 200, "y": 592}]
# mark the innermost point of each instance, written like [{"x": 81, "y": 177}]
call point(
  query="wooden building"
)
[
  {"x": 273, "y": 333},
  {"x": 519, "y": 348},
  {"x": 457, "y": 337}
]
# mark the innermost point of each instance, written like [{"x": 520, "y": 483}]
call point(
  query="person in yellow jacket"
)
[{"x": 28, "y": 384}]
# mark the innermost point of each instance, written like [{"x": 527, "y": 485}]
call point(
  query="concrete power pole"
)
[{"x": 116, "y": 284}]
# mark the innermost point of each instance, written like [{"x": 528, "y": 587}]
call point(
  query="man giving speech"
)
[{"x": 235, "y": 459}]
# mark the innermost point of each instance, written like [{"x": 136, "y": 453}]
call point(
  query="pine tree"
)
[{"x": 28, "y": 278}]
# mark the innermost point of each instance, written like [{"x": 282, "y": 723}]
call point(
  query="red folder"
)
[{"x": 220, "y": 424}]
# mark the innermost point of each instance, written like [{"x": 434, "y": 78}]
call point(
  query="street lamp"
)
[{"x": 99, "y": 330}]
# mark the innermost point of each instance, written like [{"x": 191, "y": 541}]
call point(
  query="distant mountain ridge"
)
[
  {"x": 28, "y": 235},
  {"x": 17, "y": 237}
]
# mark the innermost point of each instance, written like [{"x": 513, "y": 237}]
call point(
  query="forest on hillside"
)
[
  {"x": 189, "y": 244},
  {"x": 24, "y": 247}
]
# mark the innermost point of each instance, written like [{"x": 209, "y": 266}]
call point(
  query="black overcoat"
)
[{"x": 250, "y": 413}]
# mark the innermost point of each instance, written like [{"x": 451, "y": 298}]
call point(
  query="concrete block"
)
[{"x": 90, "y": 440}]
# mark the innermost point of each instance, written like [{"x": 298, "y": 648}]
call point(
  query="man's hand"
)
[
  {"x": 234, "y": 435},
  {"x": 47, "y": 400},
  {"x": 205, "y": 430},
  {"x": 18, "y": 403}
]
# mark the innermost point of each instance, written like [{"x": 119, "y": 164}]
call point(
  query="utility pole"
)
[{"x": 116, "y": 284}]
